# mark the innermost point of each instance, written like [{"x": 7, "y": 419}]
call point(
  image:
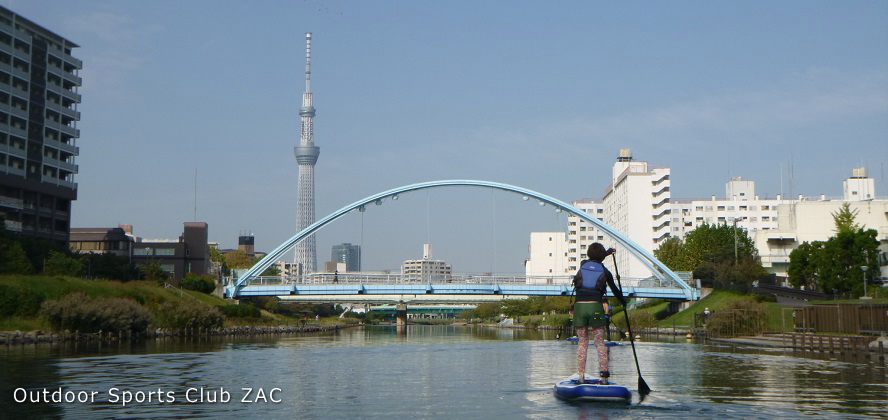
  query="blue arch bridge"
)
[{"x": 457, "y": 288}]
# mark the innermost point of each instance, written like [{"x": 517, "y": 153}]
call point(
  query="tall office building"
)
[
  {"x": 38, "y": 134},
  {"x": 348, "y": 254},
  {"x": 306, "y": 156}
]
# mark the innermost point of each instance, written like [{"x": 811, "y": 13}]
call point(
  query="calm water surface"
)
[{"x": 428, "y": 372}]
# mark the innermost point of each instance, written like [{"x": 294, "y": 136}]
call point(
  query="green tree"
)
[
  {"x": 672, "y": 254},
  {"x": 802, "y": 268},
  {"x": 108, "y": 266},
  {"x": 60, "y": 264},
  {"x": 487, "y": 310},
  {"x": 834, "y": 266},
  {"x": 722, "y": 256},
  {"x": 844, "y": 219},
  {"x": 717, "y": 243},
  {"x": 13, "y": 258},
  {"x": 237, "y": 259},
  {"x": 203, "y": 284},
  {"x": 152, "y": 270},
  {"x": 217, "y": 257}
]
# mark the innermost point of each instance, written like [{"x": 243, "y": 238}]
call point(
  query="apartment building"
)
[{"x": 38, "y": 128}]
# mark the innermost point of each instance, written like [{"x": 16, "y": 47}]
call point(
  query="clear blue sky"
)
[{"x": 536, "y": 94}]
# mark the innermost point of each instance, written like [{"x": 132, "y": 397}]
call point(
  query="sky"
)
[{"x": 190, "y": 111}]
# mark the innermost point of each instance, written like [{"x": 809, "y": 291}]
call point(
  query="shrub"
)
[
  {"x": 640, "y": 320},
  {"x": 189, "y": 315},
  {"x": 742, "y": 317},
  {"x": 203, "y": 284},
  {"x": 22, "y": 302},
  {"x": 9, "y": 298},
  {"x": 60, "y": 264},
  {"x": 79, "y": 312},
  {"x": 241, "y": 311}
]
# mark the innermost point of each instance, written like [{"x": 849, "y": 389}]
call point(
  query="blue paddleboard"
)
[{"x": 592, "y": 390}]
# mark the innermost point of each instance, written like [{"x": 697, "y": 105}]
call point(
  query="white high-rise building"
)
[
  {"x": 637, "y": 205},
  {"x": 549, "y": 258},
  {"x": 426, "y": 269},
  {"x": 306, "y": 156}
]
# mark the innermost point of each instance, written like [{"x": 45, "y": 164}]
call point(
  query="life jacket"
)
[{"x": 593, "y": 276}]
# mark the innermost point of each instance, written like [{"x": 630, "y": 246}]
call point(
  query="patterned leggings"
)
[{"x": 598, "y": 337}]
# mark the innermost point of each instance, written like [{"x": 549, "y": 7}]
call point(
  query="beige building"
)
[{"x": 426, "y": 270}]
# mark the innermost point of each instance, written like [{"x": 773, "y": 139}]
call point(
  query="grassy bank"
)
[{"x": 22, "y": 299}]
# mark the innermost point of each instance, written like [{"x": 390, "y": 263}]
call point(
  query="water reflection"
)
[{"x": 435, "y": 371}]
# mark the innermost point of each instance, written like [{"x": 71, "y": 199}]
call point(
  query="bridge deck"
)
[{"x": 356, "y": 291}]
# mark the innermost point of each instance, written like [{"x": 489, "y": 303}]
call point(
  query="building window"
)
[
  {"x": 766, "y": 207},
  {"x": 165, "y": 251},
  {"x": 142, "y": 251}
]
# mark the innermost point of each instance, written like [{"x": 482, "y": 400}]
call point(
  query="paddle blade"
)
[{"x": 643, "y": 388}]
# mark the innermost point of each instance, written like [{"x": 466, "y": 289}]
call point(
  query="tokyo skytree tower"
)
[{"x": 306, "y": 156}]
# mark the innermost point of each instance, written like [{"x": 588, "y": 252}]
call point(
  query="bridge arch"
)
[{"x": 657, "y": 268}]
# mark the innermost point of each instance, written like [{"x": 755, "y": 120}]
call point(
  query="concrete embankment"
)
[{"x": 18, "y": 337}]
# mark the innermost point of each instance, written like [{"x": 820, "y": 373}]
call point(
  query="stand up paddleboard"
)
[{"x": 592, "y": 390}]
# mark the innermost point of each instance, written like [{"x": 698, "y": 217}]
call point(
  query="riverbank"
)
[{"x": 32, "y": 337}]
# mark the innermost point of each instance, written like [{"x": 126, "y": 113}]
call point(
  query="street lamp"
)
[
  {"x": 864, "y": 268},
  {"x": 735, "y": 219}
]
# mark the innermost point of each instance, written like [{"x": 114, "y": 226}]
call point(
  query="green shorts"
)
[{"x": 589, "y": 314}]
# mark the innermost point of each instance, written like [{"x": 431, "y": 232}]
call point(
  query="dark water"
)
[{"x": 427, "y": 372}]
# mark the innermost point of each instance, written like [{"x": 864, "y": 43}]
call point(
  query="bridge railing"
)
[{"x": 398, "y": 278}]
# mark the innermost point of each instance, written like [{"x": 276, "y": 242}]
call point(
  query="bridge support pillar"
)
[{"x": 401, "y": 313}]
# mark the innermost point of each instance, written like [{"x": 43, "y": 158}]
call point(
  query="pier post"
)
[{"x": 401, "y": 313}]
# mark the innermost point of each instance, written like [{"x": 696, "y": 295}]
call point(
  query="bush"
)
[
  {"x": 79, "y": 312},
  {"x": 9, "y": 298},
  {"x": 559, "y": 320},
  {"x": 241, "y": 311},
  {"x": 742, "y": 317},
  {"x": 640, "y": 320},
  {"x": 203, "y": 284},
  {"x": 60, "y": 264},
  {"x": 189, "y": 315},
  {"x": 15, "y": 301}
]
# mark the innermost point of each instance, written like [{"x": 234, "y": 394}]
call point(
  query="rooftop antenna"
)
[{"x": 195, "y": 194}]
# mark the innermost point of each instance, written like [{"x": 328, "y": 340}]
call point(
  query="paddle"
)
[{"x": 643, "y": 388}]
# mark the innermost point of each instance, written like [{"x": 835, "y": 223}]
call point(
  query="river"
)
[{"x": 421, "y": 372}]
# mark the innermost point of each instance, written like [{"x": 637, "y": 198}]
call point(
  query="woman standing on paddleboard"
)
[{"x": 590, "y": 309}]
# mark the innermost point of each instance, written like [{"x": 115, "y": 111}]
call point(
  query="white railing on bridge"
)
[{"x": 390, "y": 278}]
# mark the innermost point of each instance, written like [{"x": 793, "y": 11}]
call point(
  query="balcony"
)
[
  {"x": 18, "y": 112},
  {"x": 770, "y": 260},
  {"x": 67, "y": 129},
  {"x": 13, "y": 203},
  {"x": 17, "y": 131},
  {"x": 21, "y": 74},
  {"x": 68, "y": 112},
  {"x": 49, "y": 141},
  {"x": 70, "y": 167},
  {"x": 71, "y": 77},
  {"x": 13, "y": 226}
]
